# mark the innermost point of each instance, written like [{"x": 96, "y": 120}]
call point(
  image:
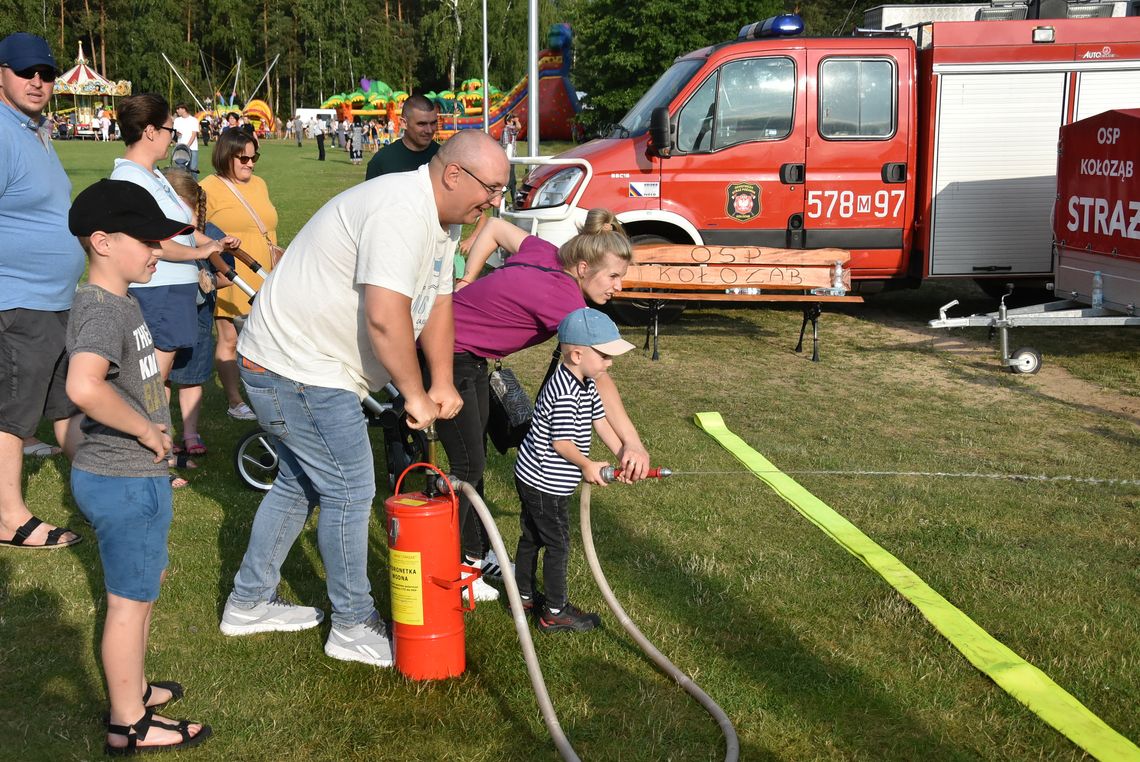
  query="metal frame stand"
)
[
  {"x": 1064, "y": 313},
  {"x": 811, "y": 313},
  {"x": 651, "y": 325}
]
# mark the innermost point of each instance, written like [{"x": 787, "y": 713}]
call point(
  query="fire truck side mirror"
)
[{"x": 660, "y": 132}]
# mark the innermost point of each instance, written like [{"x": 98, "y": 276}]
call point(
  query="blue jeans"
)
[{"x": 325, "y": 459}]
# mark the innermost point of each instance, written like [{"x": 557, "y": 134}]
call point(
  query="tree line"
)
[{"x": 323, "y": 47}]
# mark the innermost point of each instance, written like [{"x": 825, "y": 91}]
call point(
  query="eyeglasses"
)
[
  {"x": 47, "y": 74},
  {"x": 171, "y": 130},
  {"x": 247, "y": 159},
  {"x": 492, "y": 190}
]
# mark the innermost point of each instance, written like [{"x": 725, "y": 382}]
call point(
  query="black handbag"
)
[{"x": 510, "y": 409}]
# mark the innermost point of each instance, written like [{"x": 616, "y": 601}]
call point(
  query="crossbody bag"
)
[{"x": 275, "y": 251}]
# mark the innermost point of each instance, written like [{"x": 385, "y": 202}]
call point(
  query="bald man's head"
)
[{"x": 469, "y": 174}]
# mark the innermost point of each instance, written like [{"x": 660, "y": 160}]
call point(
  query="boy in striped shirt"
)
[{"x": 555, "y": 456}]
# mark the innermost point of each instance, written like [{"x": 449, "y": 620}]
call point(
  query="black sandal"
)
[
  {"x": 175, "y": 693},
  {"x": 137, "y": 732}
]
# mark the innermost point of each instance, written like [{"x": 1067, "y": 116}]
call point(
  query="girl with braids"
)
[
  {"x": 515, "y": 307},
  {"x": 194, "y": 365}
]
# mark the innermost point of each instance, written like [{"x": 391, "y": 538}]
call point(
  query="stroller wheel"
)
[{"x": 255, "y": 460}]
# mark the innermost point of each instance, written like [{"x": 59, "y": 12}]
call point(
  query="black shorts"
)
[{"x": 33, "y": 370}]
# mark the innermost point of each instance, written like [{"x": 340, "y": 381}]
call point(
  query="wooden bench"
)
[{"x": 662, "y": 273}]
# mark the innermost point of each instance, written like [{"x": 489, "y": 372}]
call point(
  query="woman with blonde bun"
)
[{"x": 514, "y": 307}]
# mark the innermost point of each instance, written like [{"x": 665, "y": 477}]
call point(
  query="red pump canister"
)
[{"x": 426, "y": 582}]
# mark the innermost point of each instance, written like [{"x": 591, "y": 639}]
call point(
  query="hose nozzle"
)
[{"x": 610, "y": 473}]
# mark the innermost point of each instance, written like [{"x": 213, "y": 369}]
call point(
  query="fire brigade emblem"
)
[{"x": 743, "y": 201}]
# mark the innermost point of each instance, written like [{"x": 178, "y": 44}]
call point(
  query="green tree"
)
[
  {"x": 622, "y": 48},
  {"x": 447, "y": 38}
]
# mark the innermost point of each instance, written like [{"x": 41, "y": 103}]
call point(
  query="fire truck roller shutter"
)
[{"x": 994, "y": 167}]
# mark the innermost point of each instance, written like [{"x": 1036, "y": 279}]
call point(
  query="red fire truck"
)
[{"x": 927, "y": 151}]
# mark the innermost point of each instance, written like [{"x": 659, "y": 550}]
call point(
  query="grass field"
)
[{"x": 810, "y": 653}]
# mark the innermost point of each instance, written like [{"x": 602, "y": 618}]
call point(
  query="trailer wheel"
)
[
  {"x": 255, "y": 460},
  {"x": 1025, "y": 360},
  {"x": 636, "y": 312}
]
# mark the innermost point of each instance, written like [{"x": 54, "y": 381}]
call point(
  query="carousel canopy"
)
[{"x": 81, "y": 79}]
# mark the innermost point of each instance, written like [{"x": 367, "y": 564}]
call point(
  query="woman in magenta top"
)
[{"x": 517, "y": 306}]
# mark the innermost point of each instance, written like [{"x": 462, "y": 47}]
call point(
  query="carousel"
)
[{"x": 90, "y": 93}]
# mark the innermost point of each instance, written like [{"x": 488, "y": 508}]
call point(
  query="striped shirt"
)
[{"x": 566, "y": 409}]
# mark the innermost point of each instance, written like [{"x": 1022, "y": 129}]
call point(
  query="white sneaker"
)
[
  {"x": 483, "y": 591},
  {"x": 274, "y": 615},
  {"x": 367, "y": 643},
  {"x": 491, "y": 568},
  {"x": 241, "y": 412}
]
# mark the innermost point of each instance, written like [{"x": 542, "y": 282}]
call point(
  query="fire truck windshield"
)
[{"x": 662, "y": 93}]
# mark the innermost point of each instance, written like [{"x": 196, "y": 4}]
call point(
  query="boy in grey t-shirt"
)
[{"x": 119, "y": 475}]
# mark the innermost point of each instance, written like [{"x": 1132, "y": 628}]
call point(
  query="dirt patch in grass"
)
[{"x": 1052, "y": 382}]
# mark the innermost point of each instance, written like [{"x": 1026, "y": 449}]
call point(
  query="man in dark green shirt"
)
[{"x": 421, "y": 118}]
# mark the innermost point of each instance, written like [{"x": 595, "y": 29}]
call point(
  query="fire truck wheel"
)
[
  {"x": 1025, "y": 360},
  {"x": 255, "y": 460},
  {"x": 636, "y": 312}
]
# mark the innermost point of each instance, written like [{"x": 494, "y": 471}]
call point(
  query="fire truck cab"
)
[{"x": 927, "y": 151}]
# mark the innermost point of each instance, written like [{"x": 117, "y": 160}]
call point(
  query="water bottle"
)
[{"x": 1097, "y": 291}]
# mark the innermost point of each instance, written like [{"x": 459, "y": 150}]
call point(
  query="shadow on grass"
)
[
  {"x": 217, "y": 481},
  {"x": 47, "y": 695},
  {"x": 773, "y": 666}
]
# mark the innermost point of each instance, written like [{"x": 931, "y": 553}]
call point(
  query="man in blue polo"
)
[{"x": 40, "y": 265}]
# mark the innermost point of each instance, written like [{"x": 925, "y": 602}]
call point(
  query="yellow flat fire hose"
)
[{"x": 1017, "y": 677}]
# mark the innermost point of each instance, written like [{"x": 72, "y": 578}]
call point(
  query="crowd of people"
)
[{"x": 102, "y": 359}]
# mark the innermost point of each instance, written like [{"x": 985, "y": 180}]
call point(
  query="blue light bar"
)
[{"x": 787, "y": 25}]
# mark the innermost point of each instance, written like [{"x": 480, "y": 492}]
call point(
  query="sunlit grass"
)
[{"x": 810, "y": 653}]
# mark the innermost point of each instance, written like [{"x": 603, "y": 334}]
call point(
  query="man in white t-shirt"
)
[
  {"x": 338, "y": 317},
  {"x": 186, "y": 129}
]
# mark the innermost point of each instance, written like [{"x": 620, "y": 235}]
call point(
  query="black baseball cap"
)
[{"x": 118, "y": 206}]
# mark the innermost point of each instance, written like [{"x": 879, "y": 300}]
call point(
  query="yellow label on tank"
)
[
  {"x": 410, "y": 501},
  {"x": 407, "y": 582}
]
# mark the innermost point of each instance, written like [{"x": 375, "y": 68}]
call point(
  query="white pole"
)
[
  {"x": 183, "y": 81},
  {"x": 264, "y": 77},
  {"x": 532, "y": 80},
  {"x": 486, "y": 81}
]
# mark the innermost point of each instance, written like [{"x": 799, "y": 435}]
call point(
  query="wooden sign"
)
[
  {"x": 687, "y": 254},
  {"x": 730, "y": 276}
]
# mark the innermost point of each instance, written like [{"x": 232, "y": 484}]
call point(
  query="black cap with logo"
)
[{"x": 118, "y": 206}]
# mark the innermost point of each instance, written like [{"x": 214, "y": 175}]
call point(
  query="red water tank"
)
[{"x": 426, "y": 582}]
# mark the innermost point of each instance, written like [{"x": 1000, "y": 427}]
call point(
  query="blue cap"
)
[
  {"x": 21, "y": 50},
  {"x": 589, "y": 328}
]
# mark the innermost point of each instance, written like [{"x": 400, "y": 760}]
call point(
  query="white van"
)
[{"x": 306, "y": 115}]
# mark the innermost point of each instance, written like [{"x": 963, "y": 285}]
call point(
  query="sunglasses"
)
[
  {"x": 171, "y": 130},
  {"x": 46, "y": 74},
  {"x": 247, "y": 159}
]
